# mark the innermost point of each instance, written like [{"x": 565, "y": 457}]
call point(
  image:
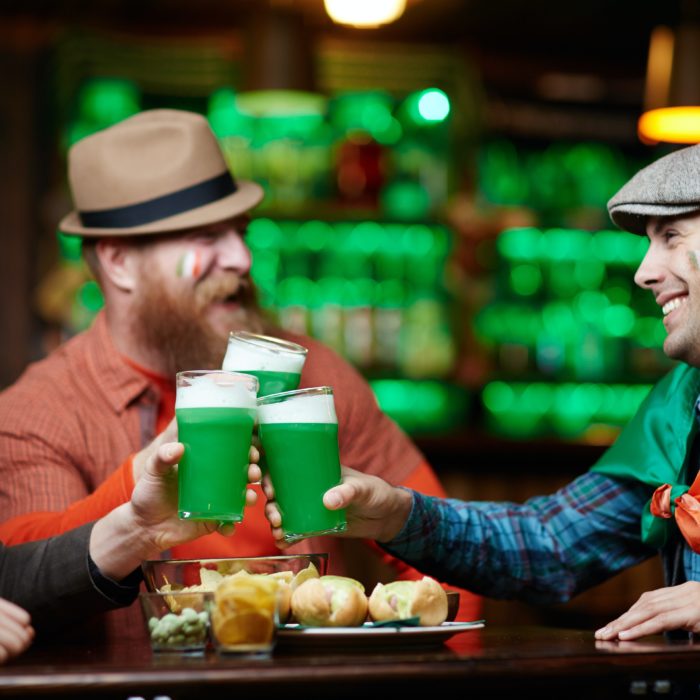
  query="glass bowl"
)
[
  {"x": 177, "y": 622},
  {"x": 175, "y": 574}
]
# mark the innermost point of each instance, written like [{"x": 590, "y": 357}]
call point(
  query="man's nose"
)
[
  {"x": 650, "y": 270},
  {"x": 233, "y": 253}
]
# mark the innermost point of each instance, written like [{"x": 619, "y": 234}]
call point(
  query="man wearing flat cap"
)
[
  {"x": 641, "y": 498},
  {"x": 163, "y": 223}
]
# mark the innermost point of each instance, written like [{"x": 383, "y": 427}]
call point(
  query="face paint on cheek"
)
[
  {"x": 693, "y": 258},
  {"x": 189, "y": 265}
]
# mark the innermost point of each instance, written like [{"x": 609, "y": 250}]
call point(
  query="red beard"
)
[{"x": 174, "y": 325}]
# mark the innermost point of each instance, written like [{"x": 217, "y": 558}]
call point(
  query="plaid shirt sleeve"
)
[{"x": 542, "y": 551}]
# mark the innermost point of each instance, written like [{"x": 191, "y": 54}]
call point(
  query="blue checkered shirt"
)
[{"x": 545, "y": 550}]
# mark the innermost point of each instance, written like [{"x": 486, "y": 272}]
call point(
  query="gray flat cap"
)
[{"x": 669, "y": 186}]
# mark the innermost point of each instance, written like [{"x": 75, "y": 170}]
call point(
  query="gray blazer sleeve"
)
[{"x": 51, "y": 579}]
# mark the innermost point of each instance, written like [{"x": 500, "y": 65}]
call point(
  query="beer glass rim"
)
[
  {"x": 236, "y": 376},
  {"x": 285, "y": 395},
  {"x": 268, "y": 343}
]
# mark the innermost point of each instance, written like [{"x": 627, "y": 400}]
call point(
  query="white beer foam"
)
[
  {"x": 205, "y": 392},
  {"x": 316, "y": 408},
  {"x": 242, "y": 357}
]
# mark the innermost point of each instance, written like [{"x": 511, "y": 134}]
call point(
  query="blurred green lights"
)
[
  {"x": 618, "y": 320},
  {"x": 555, "y": 244},
  {"x": 427, "y": 107},
  {"x": 525, "y": 279},
  {"x": 225, "y": 118},
  {"x": 520, "y": 244},
  {"x": 520, "y": 408},
  {"x": 281, "y": 103},
  {"x": 90, "y": 296},
  {"x": 107, "y": 101},
  {"x": 498, "y": 397},
  {"x": 433, "y": 105},
  {"x": 366, "y": 112},
  {"x": 101, "y": 103},
  {"x": 420, "y": 405},
  {"x": 406, "y": 201},
  {"x": 70, "y": 247}
]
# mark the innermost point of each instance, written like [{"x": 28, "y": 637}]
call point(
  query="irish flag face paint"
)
[
  {"x": 693, "y": 257},
  {"x": 190, "y": 265}
]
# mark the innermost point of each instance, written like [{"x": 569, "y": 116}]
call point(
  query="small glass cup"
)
[
  {"x": 177, "y": 622},
  {"x": 244, "y": 617},
  {"x": 276, "y": 363}
]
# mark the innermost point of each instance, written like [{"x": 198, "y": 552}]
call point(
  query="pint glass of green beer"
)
[
  {"x": 299, "y": 434},
  {"x": 275, "y": 362},
  {"x": 215, "y": 413}
]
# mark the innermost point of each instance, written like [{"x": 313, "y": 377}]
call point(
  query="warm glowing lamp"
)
[
  {"x": 364, "y": 13},
  {"x": 672, "y": 91}
]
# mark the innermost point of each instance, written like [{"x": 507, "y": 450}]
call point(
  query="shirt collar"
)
[{"x": 120, "y": 383}]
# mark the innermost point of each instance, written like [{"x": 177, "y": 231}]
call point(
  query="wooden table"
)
[{"x": 490, "y": 663}]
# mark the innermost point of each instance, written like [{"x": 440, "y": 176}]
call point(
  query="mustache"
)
[{"x": 219, "y": 288}]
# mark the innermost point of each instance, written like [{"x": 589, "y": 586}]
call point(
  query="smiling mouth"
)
[
  {"x": 230, "y": 299},
  {"x": 672, "y": 305}
]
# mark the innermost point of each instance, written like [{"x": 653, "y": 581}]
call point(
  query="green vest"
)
[{"x": 655, "y": 445}]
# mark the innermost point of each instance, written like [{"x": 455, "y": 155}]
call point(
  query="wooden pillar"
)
[{"x": 20, "y": 50}]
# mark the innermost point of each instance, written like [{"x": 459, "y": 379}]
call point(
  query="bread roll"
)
[
  {"x": 330, "y": 601},
  {"x": 425, "y": 599}
]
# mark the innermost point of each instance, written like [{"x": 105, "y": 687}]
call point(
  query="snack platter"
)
[
  {"x": 293, "y": 635},
  {"x": 250, "y": 600}
]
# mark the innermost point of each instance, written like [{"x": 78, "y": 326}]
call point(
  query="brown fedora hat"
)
[{"x": 159, "y": 171}]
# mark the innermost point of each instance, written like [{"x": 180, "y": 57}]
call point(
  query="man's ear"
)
[{"x": 118, "y": 260}]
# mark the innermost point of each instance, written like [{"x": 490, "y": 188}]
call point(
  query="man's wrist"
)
[
  {"x": 121, "y": 592},
  {"x": 118, "y": 544},
  {"x": 402, "y": 502}
]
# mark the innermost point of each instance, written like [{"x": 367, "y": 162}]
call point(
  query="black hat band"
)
[{"x": 161, "y": 207}]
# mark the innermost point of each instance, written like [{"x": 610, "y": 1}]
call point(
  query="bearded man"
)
[{"x": 163, "y": 228}]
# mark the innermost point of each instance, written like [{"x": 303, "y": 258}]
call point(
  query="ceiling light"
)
[
  {"x": 364, "y": 13},
  {"x": 672, "y": 90}
]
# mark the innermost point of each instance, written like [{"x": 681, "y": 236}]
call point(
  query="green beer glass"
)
[
  {"x": 299, "y": 433},
  {"x": 275, "y": 362},
  {"x": 215, "y": 413}
]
